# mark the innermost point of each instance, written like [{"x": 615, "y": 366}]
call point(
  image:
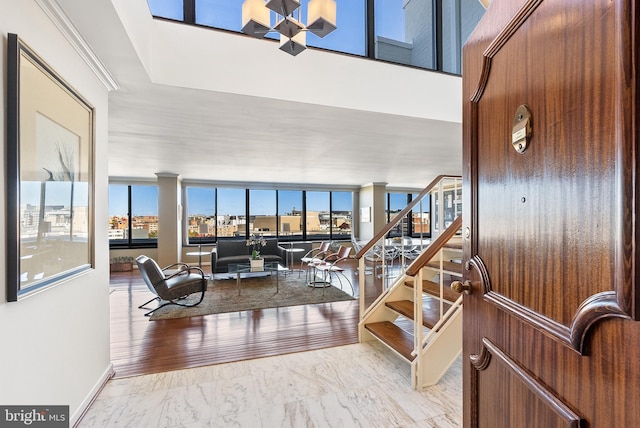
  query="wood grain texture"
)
[
  {"x": 140, "y": 346},
  {"x": 555, "y": 226},
  {"x": 545, "y": 409}
]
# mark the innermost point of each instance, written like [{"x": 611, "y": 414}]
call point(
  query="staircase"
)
[{"x": 422, "y": 324}]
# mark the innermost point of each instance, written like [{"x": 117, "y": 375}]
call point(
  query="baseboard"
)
[{"x": 91, "y": 397}]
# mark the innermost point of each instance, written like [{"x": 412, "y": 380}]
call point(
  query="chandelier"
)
[{"x": 256, "y": 21}]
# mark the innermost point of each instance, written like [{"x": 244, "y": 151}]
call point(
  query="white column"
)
[{"x": 169, "y": 218}]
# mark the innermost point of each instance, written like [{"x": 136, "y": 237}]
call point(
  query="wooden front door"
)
[{"x": 551, "y": 336}]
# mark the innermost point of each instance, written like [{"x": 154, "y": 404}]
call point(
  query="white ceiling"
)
[{"x": 223, "y": 137}]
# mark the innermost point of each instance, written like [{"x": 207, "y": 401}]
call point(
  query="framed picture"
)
[
  {"x": 365, "y": 214},
  {"x": 49, "y": 175}
]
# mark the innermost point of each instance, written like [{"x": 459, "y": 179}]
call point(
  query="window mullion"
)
[{"x": 189, "y": 11}]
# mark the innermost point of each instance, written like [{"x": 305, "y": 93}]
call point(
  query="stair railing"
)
[
  {"x": 377, "y": 250},
  {"x": 415, "y": 271}
]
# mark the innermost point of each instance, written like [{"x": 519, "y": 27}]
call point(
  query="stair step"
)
[
  {"x": 433, "y": 288},
  {"x": 450, "y": 268},
  {"x": 453, "y": 245},
  {"x": 430, "y": 310},
  {"x": 394, "y": 337}
]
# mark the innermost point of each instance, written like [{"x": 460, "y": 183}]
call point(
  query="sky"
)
[{"x": 231, "y": 201}]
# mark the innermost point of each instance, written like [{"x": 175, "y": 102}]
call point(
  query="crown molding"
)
[{"x": 60, "y": 19}]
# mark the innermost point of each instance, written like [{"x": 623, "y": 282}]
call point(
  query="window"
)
[
  {"x": 396, "y": 202},
  {"x": 318, "y": 215},
  {"x": 262, "y": 212},
  {"x": 201, "y": 214},
  {"x": 133, "y": 215},
  {"x": 341, "y": 215},
  {"x": 225, "y": 14},
  {"x": 290, "y": 214},
  {"x": 172, "y": 9},
  {"x": 421, "y": 218},
  {"x": 232, "y": 213},
  {"x": 222, "y": 212}
]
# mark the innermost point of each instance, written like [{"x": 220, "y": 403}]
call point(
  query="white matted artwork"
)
[{"x": 365, "y": 214}]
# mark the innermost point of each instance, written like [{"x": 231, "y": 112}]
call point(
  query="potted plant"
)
[
  {"x": 256, "y": 242},
  {"x": 121, "y": 264}
]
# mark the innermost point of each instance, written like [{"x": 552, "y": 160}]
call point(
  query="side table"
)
[
  {"x": 199, "y": 254},
  {"x": 290, "y": 251}
]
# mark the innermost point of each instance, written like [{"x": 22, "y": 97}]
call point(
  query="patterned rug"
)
[{"x": 256, "y": 292}]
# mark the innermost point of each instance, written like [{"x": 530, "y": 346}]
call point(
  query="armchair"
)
[
  {"x": 169, "y": 285},
  {"x": 314, "y": 255},
  {"x": 331, "y": 264}
]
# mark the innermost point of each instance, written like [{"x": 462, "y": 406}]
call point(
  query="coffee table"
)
[{"x": 245, "y": 268}]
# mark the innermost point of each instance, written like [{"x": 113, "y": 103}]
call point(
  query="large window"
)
[
  {"x": 172, "y": 9},
  {"x": 318, "y": 219},
  {"x": 290, "y": 214},
  {"x": 420, "y": 33},
  {"x": 421, "y": 217},
  {"x": 263, "y": 213},
  {"x": 232, "y": 213},
  {"x": 133, "y": 215},
  {"x": 214, "y": 213},
  {"x": 341, "y": 214},
  {"x": 417, "y": 223},
  {"x": 424, "y": 33},
  {"x": 201, "y": 214},
  {"x": 395, "y": 203}
]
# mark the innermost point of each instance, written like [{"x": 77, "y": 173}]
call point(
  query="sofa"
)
[{"x": 230, "y": 251}]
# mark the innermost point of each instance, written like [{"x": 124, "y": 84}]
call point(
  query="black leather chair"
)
[{"x": 172, "y": 283}]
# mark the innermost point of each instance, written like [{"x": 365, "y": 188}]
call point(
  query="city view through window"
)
[{"x": 222, "y": 213}]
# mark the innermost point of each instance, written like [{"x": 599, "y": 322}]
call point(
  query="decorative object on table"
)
[
  {"x": 256, "y": 242},
  {"x": 49, "y": 175},
  {"x": 121, "y": 264},
  {"x": 257, "y": 265}
]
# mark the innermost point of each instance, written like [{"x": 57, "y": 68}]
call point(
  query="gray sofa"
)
[{"x": 229, "y": 251}]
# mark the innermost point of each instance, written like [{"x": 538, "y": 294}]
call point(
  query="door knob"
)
[{"x": 460, "y": 287}]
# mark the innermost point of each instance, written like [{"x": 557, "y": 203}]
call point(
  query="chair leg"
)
[
  {"x": 146, "y": 303},
  {"x": 175, "y": 301}
]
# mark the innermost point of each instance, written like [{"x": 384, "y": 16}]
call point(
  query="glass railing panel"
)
[{"x": 410, "y": 234}]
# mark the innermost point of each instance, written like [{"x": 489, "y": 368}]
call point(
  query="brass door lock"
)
[{"x": 521, "y": 133}]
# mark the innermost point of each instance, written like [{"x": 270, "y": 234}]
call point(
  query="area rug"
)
[{"x": 255, "y": 293}]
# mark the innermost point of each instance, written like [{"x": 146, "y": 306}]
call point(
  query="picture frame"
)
[
  {"x": 365, "y": 214},
  {"x": 50, "y": 182}
]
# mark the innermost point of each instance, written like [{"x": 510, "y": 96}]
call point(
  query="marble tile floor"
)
[{"x": 360, "y": 385}]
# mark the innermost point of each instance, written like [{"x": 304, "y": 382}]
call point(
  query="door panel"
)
[
  {"x": 550, "y": 252},
  {"x": 507, "y": 381}
]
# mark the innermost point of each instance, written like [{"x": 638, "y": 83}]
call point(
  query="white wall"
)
[
  {"x": 372, "y": 197},
  {"x": 55, "y": 344}
]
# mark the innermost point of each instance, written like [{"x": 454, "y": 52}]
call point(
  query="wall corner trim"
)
[
  {"x": 77, "y": 416},
  {"x": 60, "y": 19}
]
